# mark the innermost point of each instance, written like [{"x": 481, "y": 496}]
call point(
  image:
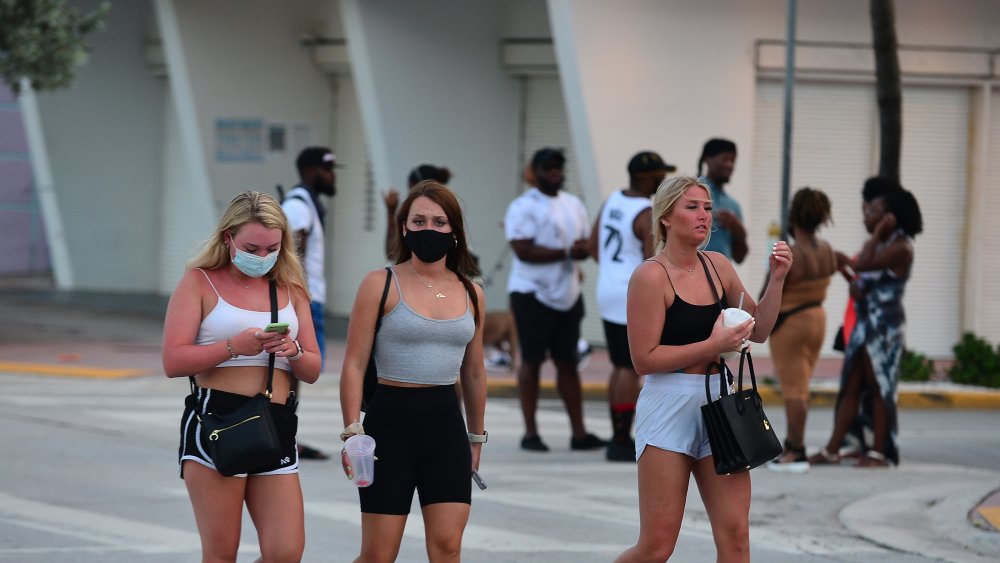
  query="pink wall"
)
[{"x": 22, "y": 239}]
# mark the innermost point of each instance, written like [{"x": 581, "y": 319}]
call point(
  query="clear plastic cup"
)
[
  {"x": 730, "y": 318},
  {"x": 361, "y": 455}
]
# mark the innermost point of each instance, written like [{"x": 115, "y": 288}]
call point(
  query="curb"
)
[
  {"x": 68, "y": 371},
  {"x": 986, "y": 515},
  {"x": 818, "y": 397}
]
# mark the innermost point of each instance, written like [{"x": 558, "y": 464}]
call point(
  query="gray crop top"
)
[{"x": 412, "y": 348}]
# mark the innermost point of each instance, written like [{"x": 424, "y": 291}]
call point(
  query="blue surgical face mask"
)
[{"x": 253, "y": 265}]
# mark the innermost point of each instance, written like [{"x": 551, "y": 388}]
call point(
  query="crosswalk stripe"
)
[
  {"x": 476, "y": 537},
  {"x": 110, "y": 532}
]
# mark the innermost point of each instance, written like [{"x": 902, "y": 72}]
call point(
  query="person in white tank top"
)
[
  {"x": 214, "y": 330},
  {"x": 620, "y": 240}
]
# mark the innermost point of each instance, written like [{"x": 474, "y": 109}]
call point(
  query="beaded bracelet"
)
[{"x": 229, "y": 346}]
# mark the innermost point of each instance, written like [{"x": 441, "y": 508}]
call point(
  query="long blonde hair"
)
[
  {"x": 666, "y": 197},
  {"x": 253, "y": 207}
]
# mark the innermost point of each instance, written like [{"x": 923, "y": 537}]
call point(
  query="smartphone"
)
[
  {"x": 479, "y": 480},
  {"x": 280, "y": 328}
]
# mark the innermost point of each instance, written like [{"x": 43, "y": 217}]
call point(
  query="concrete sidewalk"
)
[{"x": 84, "y": 334}]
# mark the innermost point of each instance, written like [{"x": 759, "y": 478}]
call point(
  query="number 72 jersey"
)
[{"x": 620, "y": 251}]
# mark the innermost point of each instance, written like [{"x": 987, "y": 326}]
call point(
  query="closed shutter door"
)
[
  {"x": 832, "y": 151},
  {"x": 988, "y": 301},
  {"x": 545, "y": 125},
  {"x": 935, "y": 168},
  {"x": 355, "y": 224},
  {"x": 835, "y": 133}
]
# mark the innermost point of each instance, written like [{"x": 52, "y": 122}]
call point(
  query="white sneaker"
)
[
  {"x": 583, "y": 351},
  {"x": 790, "y": 467},
  {"x": 499, "y": 360}
]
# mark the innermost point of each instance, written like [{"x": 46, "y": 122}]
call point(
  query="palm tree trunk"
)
[{"x": 888, "y": 88}]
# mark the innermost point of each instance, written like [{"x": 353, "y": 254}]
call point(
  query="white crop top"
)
[{"x": 225, "y": 320}]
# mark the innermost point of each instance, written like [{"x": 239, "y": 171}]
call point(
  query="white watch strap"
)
[{"x": 479, "y": 438}]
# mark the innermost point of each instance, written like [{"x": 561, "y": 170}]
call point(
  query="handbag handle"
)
[
  {"x": 745, "y": 353},
  {"x": 723, "y": 391},
  {"x": 723, "y": 368}
]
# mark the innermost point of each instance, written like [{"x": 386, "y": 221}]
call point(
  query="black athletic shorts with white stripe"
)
[{"x": 212, "y": 400}]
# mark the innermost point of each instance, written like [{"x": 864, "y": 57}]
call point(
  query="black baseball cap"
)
[
  {"x": 548, "y": 157},
  {"x": 316, "y": 156},
  {"x": 649, "y": 161}
]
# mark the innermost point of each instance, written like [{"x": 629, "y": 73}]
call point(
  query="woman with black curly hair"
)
[{"x": 875, "y": 348}]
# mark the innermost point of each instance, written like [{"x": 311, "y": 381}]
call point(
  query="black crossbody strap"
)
[
  {"x": 381, "y": 307},
  {"x": 273, "y": 288},
  {"x": 723, "y": 368},
  {"x": 711, "y": 282}
]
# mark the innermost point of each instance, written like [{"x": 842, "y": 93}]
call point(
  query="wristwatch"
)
[{"x": 479, "y": 438}]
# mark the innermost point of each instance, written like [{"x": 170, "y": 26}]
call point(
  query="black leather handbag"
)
[
  {"x": 244, "y": 440},
  {"x": 739, "y": 432},
  {"x": 371, "y": 373}
]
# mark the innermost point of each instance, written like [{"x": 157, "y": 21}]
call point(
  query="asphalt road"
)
[{"x": 90, "y": 475}]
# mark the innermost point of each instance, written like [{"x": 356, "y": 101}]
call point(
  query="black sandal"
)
[
  {"x": 791, "y": 460},
  {"x": 799, "y": 453}
]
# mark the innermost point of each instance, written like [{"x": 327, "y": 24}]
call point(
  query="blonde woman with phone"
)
[{"x": 215, "y": 328}]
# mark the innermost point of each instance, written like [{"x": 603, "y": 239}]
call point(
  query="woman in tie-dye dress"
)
[{"x": 875, "y": 349}]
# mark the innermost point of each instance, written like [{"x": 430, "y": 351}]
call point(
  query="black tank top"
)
[{"x": 686, "y": 323}]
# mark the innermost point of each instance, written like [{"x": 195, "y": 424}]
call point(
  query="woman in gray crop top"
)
[
  {"x": 676, "y": 286},
  {"x": 430, "y": 336},
  {"x": 214, "y": 330}
]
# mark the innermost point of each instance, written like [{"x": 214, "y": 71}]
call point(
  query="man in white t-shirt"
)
[
  {"x": 620, "y": 240},
  {"x": 307, "y": 219},
  {"x": 547, "y": 229}
]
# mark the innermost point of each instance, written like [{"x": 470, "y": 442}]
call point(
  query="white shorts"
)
[{"x": 668, "y": 414}]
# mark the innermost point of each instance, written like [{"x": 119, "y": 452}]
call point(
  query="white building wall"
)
[
  {"x": 663, "y": 75},
  {"x": 431, "y": 89},
  {"x": 103, "y": 145},
  {"x": 667, "y": 75},
  {"x": 245, "y": 61}
]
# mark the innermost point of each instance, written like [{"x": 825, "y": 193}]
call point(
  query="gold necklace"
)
[
  {"x": 429, "y": 287},
  {"x": 239, "y": 281},
  {"x": 688, "y": 270}
]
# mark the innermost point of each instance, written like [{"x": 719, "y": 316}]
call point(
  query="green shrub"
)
[
  {"x": 976, "y": 362},
  {"x": 915, "y": 366}
]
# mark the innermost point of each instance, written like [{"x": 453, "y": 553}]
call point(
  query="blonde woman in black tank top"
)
[{"x": 673, "y": 288}]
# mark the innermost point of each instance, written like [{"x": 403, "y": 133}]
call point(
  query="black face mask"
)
[{"x": 429, "y": 245}]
